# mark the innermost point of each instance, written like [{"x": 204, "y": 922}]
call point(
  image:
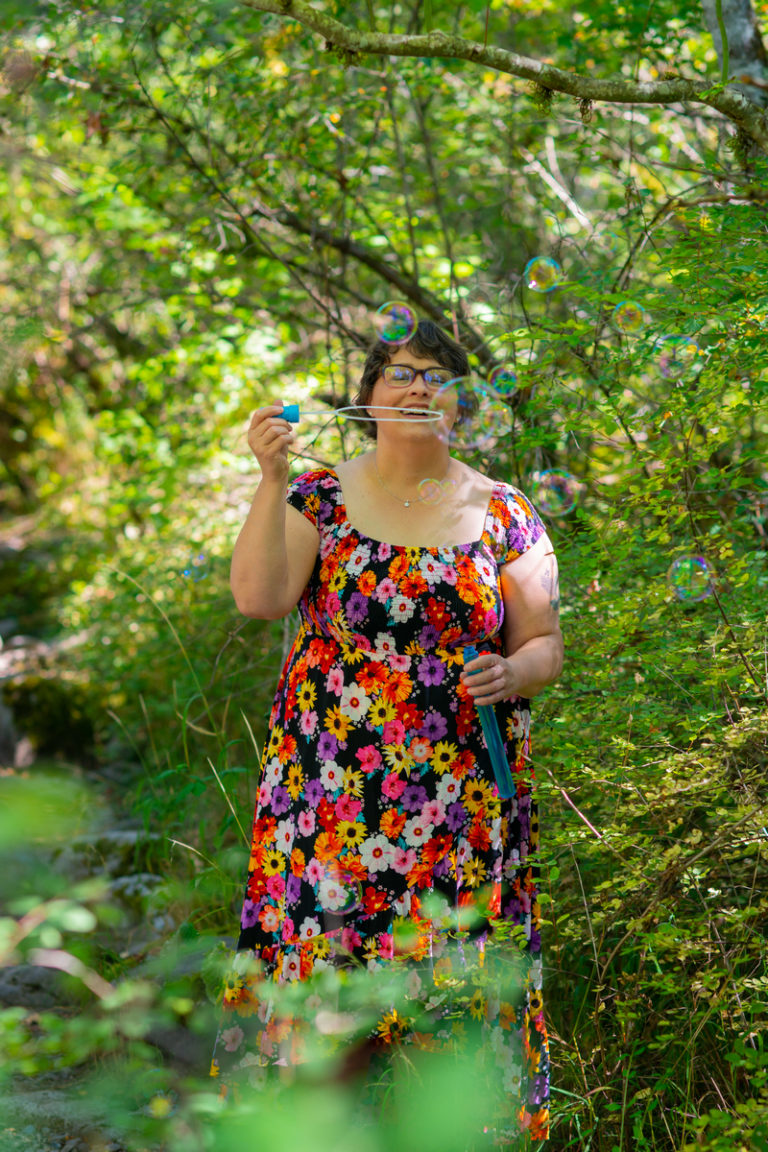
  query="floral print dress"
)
[{"x": 378, "y": 826}]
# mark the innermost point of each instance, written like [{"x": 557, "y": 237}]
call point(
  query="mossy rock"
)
[{"x": 57, "y": 716}]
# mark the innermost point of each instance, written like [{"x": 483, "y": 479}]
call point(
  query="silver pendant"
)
[{"x": 407, "y": 503}]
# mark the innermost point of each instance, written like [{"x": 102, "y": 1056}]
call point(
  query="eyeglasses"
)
[{"x": 400, "y": 375}]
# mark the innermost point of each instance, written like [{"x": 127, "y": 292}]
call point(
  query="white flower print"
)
[
  {"x": 358, "y": 560},
  {"x": 376, "y": 853},
  {"x": 417, "y": 831},
  {"x": 401, "y": 608},
  {"x": 284, "y": 835},
  {"x": 331, "y": 776},
  {"x": 331, "y": 894},
  {"x": 309, "y": 928},
  {"x": 448, "y": 789},
  {"x": 431, "y": 568},
  {"x": 272, "y": 771},
  {"x": 354, "y": 702}
]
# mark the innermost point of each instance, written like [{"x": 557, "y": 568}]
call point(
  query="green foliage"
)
[{"x": 201, "y": 211}]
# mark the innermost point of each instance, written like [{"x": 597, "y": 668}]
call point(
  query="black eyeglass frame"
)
[{"x": 425, "y": 373}]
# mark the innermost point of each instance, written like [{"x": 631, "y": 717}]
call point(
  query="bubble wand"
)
[
  {"x": 490, "y": 725},
  {"x": 293, "y": 414}
]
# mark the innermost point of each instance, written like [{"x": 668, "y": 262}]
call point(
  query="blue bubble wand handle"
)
[{"x": 490, "y": 726}]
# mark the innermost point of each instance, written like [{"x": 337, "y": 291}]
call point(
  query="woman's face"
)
[{"x": 439, "y": 405}]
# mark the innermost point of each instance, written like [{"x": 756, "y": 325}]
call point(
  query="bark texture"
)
[{"x": 747, "y": 57}]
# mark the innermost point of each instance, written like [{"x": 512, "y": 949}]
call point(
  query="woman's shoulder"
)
[{"x": 314, "y": 480}]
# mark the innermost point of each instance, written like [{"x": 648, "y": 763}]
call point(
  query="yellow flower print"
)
[
  {"x": 413, "y": 648},
  {"x": 306, "y": 696},
  {"x": 535, "y": 1003},
  {"x": 350, "y": 833},
  {"x": 321, "y": 947},
  {"x": 275, "y": 740},
  {"x": 295, "y": 781},
  {"x": 233, "y": 986},
  {"x": 380, "y": 712},
  {"x": 477, "y": 794},
  {"x": 398, "y": 758},
  {"x": 337, "y": 580},
  {"x": 477, "y": 1005},
  {"x": 353, "y": 781},
  {"x": 443, "y": 756},
  {"x": 274, "y": 862},
  {"x": 474, "y": 872},
  {"x": 392, "y": 1026},
  {"x": 337, "y": 723}
]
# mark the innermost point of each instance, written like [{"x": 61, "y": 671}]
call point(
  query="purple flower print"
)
[
  {"x": 455, "y": 816},
  {"x": 431, "y": 670},
  {"x": 250, "y": 914},
  {"x": 357, "y": 607},
  {"x": 313, "y": 793},
  {"x": 292, "y": 889},
  {"x": 414, "y": 798},
  {"x": 281, "y": 801},
  {"x": 434, "y": 727},
  {"x": 428, "y": 636},
  {"x": 327, "y": 746}
]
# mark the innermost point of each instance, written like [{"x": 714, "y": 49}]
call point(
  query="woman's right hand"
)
[{"x": 270, "y": 439}]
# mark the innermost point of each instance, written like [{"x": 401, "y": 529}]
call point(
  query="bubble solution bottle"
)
[{"x": 490, "y": 726}]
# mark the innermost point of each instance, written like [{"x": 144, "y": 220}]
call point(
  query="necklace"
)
[{"x": 414, "y": 499}]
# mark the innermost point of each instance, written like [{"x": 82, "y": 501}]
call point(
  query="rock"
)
[{"x": 33, "y": 987}]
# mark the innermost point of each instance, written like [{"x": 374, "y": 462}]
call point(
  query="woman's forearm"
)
[
  {"x": 259, "y": 574},
  {"x": 536, "y": 664}
]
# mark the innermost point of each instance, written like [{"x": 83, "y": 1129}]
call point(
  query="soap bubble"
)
[
  {"x": 542, "y": 274},
  {"x": 678, "y": 355},
  {"x": 197, "y": 567},
  {"x": 474, "y": 417},
  {"x": 434, "y": 491},
  {"x": 503, "y": 379},
  {"x": 430, "y": 491},
  {"x": 629, "y": 317},
  {"x": 690, "y": 578},
  {"x": 395, "y": 322},
  {"x": 554, "y": 493}
]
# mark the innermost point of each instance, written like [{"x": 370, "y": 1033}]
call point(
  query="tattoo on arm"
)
[{"x": 550, "y": 583}]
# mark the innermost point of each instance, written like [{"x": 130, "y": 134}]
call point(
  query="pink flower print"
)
[
  {"x": 335, "y": 681},
  {"x": 399, "y": 661},
  {"x": 314, "y": 871},
  {"x": 306, "y": 822},
  {"x": 384, "y": 551},
  {"x": 393, "y": 786},
  {"x": 276, "y": 886},
  {"x": 385, "y": 590},
  {"x": 287, "y": 928},
  {"x": 386, "y": 945},
  {"x": 332, "y": 604},
  {"x": 308, "y": 723},
  {"x": 403, "y": 860},
  {"x": 233, "y": 1038},
  {"x": 369, "y": 757},
  {"x": 347, "y": 807},
  {"x": 394, "y": 732},
  {"x": 433, "y": 812},
  {"x": 350, "y": 939},
  {"x": 327, "y": 545},
  {"x": 265, "y": 794}
]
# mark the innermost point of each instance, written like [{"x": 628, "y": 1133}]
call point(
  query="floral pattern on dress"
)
[{"x": 378, "y": 825}]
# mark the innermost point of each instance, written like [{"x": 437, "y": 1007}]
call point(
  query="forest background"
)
[{"x": 202, "y": 207}]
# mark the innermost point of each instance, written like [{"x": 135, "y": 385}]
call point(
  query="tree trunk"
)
[{"x": 747, "y": 58}]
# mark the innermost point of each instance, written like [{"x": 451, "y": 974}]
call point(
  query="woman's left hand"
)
[{"x": 489, "y": 678}]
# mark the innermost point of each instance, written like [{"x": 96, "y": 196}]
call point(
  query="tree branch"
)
[{"x": 349, "y": 44}]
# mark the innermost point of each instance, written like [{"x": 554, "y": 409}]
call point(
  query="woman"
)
[{"x": 377, "y": 794}]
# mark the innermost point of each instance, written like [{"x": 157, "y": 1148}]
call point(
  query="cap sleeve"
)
[
  {"x": 312, "y": 494},
  {"x": 515, "y": 523}
]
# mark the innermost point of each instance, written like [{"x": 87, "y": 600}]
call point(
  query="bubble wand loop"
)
[{"x": 490, "y": 725}]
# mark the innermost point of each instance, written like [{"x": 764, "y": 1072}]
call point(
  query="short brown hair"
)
[{"x": 428, "y": 341}]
